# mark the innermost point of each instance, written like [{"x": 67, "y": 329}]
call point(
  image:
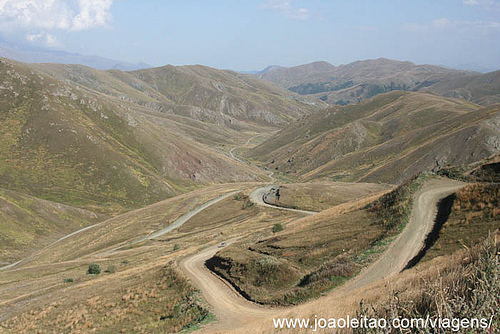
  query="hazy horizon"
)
[{"x": 251, "y": 35}]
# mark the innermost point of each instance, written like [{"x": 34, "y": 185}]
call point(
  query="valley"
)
[{"x": 215, "y": 201}]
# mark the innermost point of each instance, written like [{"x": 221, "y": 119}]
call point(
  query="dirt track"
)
[
  {"x": 257, "y": 197},
  {"x": 410, "y": 241},
  {"x": 233, "y": 311}
]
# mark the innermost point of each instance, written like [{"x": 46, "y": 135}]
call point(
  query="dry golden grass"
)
[
  {"x": 445, "y": 274},
  {"x": 475, "y": 213},
  {"x": 309, "y": 257},
  {"x": 28, "y": 291},
  {"x": 318, "y": 196}
]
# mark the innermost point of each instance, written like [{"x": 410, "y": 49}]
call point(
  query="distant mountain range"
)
[
  {"x": 354, "y": 82},
  {"x": 40, "y": 55}
]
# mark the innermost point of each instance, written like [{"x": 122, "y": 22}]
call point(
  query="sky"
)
[{"x": 252, "y": 34}]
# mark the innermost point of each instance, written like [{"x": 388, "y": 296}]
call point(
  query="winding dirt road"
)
[
  {"x": 409, "y": 242},
  {"x": 270, "y": 175},
  {"x": 257, "y": 197},
  {"x": 232, "y": 310}
]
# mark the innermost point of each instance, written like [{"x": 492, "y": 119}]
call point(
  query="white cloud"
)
[
  {"x": 93, "y": 13},
  {"x": 490, "y": 5},
  {"x": 52, "y": 41},
  {"x": 33, "y": 37},
  {"x": 287, "y": 9},
  {"x": 54, "y": 14},
  {"x": 447, "y": 25},
  {"x": 48, "y": 39}
]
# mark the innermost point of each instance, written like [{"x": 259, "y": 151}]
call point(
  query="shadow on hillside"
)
[{"x": 444, "y": 210}]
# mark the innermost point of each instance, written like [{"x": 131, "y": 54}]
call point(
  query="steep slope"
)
[
  {"x": 359, "y": 80},
  {"x": 70, "y": 145},
  {"x": 388, "y": 138},
  {"x": 226, "y": 98}
]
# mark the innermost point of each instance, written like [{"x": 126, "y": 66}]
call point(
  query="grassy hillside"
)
[
  {"x": 483, "y": 89},
  {"x": 399, "y": 131},
  {"x": 70, "y": 145},
  {"x": 28, "y": 223},
  {"x": 202, "y": 93}
]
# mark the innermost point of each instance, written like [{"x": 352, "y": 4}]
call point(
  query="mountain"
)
[
  {"x": 387, "y": 138},
  {"x": 264, "y": 71},
  {"x": 109, "y": 141},
  {"x": 202, "y": 93},
  {"x": 474, "y": 67},
  {"x": 41, "y": 55},
  {"x": 351, "y": 83},
  {"x": 293, "y": 76},
  {"x": 483, "y": 89}
]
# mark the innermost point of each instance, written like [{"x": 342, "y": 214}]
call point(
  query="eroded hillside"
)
[
  {"x": 109, "y": 141},
  {"x": 399, "y": 131}
]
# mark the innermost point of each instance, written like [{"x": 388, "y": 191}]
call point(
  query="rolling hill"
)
[
  {"x": 388, "y": 138},
  {"x": 234, "y": 100},
  {"x": 351, "y": 83},
  {"x": 483, "y": 89},
  {"x": 29, "y": 223},
  {"x": 101, "y": 140}
]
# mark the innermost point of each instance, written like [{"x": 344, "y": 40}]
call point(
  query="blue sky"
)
[{"x": 251, "y": 34}]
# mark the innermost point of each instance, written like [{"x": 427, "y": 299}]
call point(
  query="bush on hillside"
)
[
  {"x": 94, "y": 269},
  {"x": 277, "y": 228}
]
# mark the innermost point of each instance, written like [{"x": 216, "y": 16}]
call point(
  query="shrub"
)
[
  {"x": 176, "y": 247},
  {"x": 277, "y": 228},
  {"x": 111, "y": 269},
  {"x": 68, "y": 280},
  {"x": 94, "y": 269}
]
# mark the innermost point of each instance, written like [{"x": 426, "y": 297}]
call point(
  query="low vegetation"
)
[
  {"x": 277, "y": 228},
  {"x": 94, "y": 269},
  {"x": 323, "y": 251},
  {"x": 159, "y": 300},
  {"x": 474, "y": 214},
  {"x": 465, "y": 286}
]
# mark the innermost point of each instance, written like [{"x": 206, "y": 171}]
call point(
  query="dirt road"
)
[
  {"x": 411, "y": 239},
  {"x": 232, "y": 310},
  {"x": 257, "y": 197},
  {"x": 270, "y": 175}
]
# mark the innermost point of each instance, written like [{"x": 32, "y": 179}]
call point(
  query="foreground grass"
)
[
  {"x": 475, "y": 213},
  {"x": 156, "y": 301},
  {"x": 467, "y": 285}
]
